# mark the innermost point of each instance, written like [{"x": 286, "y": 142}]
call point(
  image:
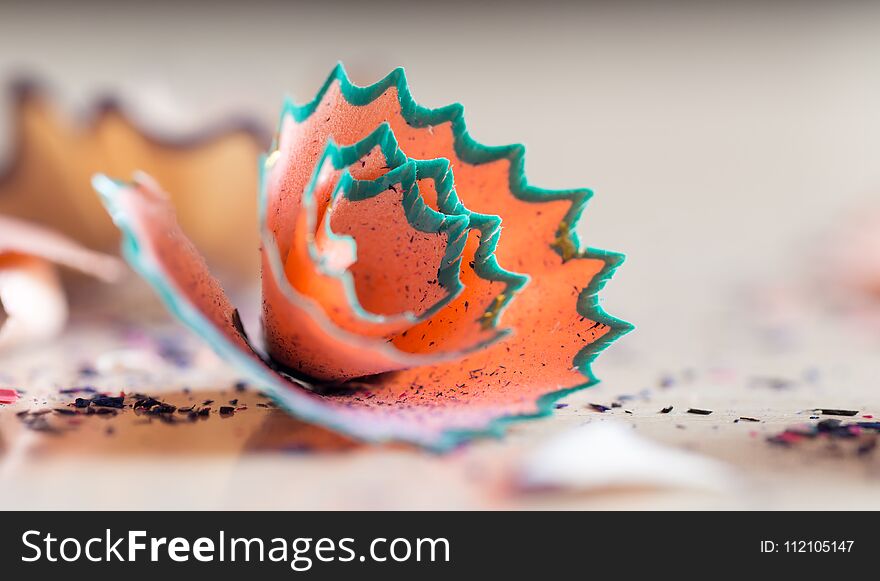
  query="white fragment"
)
[
  {"x": 32, "y": 298},
  {"x": 607, "y": 454}
]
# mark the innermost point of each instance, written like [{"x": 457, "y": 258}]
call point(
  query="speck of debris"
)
[
  {"x": 864, "y": 435},
  {"x": 667, "y": 381},
  {"x": 173, "y": 351},
  {"x": 87, "y": 371},
  {"x": 666, "y": 410},
  {"x": 772, "y": 382},
  {"x": 599, "y": 407},
  {"x": 836, "y": 412},
  {"x": 37, "y": 422},
  {"x": 867, "y": 447},
  {"x": 146, "y": 403},
  {"x": 163, "y": 408},
  {"x": 699, "y": 412},
  {"x": 59, "y": 420},
  {"x": 746, "y": 419},
  {"x": 107, "y": 401},
  {"x": 73, "y": 390}
]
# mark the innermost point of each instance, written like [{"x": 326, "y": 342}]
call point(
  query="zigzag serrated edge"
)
[{"x": 567, "y": 245}]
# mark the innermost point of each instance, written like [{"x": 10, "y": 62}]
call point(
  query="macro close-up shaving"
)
[{"x": 460, "y": 256}]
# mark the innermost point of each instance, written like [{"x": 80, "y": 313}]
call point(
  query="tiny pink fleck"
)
[
  {"x": 790, "y": 437},
  {"x": 8, "y": 396},
  {"x": 868, "y": 416}
]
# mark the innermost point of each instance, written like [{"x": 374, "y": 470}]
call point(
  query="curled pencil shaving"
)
[
  {"x": 395, "y": 307},
  {"x": 45, "y": 177}
]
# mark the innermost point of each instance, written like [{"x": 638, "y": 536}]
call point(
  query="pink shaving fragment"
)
[
  {"x": 790, "y": 437},
  {"x": 8, "y": 396}
]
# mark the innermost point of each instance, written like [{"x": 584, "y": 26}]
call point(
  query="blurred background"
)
[{"x": 729, "y": 146}]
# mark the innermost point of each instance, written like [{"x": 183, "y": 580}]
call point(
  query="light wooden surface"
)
[{"x": 261, "y": 458}]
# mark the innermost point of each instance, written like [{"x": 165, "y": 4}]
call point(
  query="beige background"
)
[{"x": 723, "y": 143}]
